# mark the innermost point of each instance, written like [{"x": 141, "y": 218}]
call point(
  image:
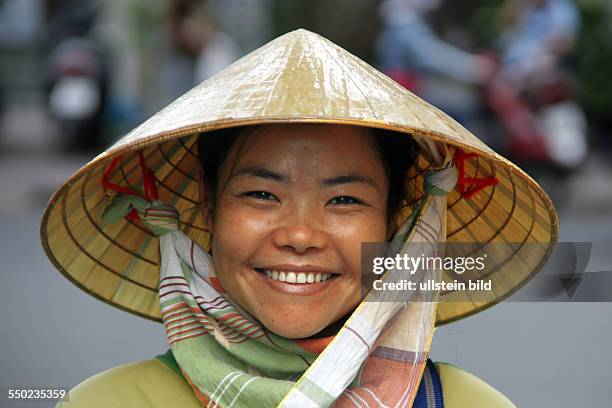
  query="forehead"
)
[{"x": 310, "y": 145}]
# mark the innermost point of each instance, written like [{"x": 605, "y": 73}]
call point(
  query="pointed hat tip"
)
[
  {"x": 303, "y": 32},
  {"x": 304, "y": 36}
]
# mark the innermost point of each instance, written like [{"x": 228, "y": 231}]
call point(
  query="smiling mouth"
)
[{"x": 296, "y": 277}]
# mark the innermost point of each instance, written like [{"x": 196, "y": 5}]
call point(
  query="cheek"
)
[
  {"x": 237, "y": 233},
  {"x": 348, "y": 237}
]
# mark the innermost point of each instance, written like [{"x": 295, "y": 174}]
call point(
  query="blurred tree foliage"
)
[{"x": 594, "y": 60}]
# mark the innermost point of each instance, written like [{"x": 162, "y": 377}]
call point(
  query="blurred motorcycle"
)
[
  {"x": 77, "y": 92},
  {"x": 76, "y": 75},
  {"x": 545, "y": 129}
]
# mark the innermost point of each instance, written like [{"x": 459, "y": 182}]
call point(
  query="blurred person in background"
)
[
  {"x": 541, "y": 124},
  {"x": 410, "y": 51},
  {"x": 194, "y": 33},
  {"x": 538, "y": 36}
]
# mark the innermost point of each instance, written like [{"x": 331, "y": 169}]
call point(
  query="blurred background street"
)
[{"x": 530, "y": 77}]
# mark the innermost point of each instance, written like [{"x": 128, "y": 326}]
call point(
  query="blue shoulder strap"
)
[{"x": 429, "y": 394}]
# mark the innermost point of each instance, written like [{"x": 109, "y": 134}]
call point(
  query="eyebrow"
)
[
  {"x": 262, "y": 172},
  {"x": 349, "y": 178}
]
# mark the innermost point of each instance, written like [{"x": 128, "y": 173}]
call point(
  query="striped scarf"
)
[{"x": 231, "y": 360}]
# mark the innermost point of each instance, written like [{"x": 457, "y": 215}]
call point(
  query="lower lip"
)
[{"x": 299, "y": 289}]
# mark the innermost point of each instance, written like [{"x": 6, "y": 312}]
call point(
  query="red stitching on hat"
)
[
  {"x": 148, "y": 181},
  {"x": 470, "y": 186}
]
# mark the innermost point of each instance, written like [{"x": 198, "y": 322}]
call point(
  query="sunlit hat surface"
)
[{"x": 299, "y": 77}]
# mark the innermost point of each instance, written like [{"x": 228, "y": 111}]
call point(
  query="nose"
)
[{"x": 300, "y": 236}]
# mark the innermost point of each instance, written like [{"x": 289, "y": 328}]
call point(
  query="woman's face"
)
[{"x": 293, "y": 205}]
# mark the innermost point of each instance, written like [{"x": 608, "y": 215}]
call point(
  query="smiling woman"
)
[
  {"x": 289, "y": 206},
  {"x": 236, "y": 216}
]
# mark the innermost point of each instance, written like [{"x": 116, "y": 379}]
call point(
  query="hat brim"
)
[{"x": 281, "y": 83}]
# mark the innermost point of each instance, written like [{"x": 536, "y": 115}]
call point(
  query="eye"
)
[
  {"x": 344, "y": 200},
  {"x": 260, "y": 195}
]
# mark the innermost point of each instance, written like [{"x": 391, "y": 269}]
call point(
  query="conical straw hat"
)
[{"x": 299, "y": 77}]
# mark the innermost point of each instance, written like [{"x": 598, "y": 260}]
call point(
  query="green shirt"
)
[{"x": 151, "y": 383}]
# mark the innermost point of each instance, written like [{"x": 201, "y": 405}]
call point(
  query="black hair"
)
[{"x": 398, "y": 152}]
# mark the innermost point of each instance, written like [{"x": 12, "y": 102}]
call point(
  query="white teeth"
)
[{"x": 297, "y": 277}]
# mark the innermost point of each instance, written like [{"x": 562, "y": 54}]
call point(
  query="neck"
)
[{"x": 332, "y": 329}]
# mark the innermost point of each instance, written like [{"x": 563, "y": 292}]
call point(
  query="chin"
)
[
  {"x": 294, "y": 334},
  {"x": 293, "y": 331}
]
